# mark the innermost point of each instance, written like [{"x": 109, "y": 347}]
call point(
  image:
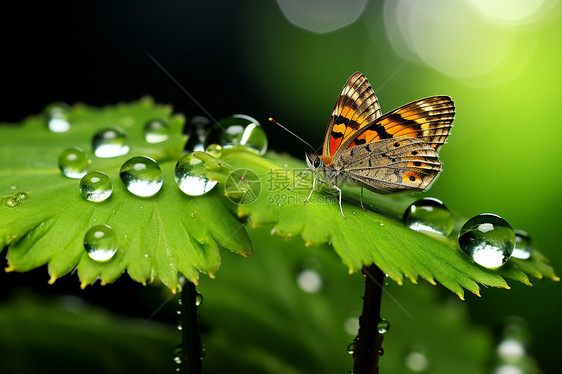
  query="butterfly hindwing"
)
[
  {"x": 391, "y": 165},
  {"x": 428, "y": 119},
  {"x": 356, "y": 107}
]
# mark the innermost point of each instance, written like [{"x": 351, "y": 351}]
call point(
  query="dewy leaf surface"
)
[
  {"x": 365, "y": 237},
  {"x": 160, "y": 236}
]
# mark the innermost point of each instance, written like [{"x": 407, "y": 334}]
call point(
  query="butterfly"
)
[{"x": 398, "y": 151}]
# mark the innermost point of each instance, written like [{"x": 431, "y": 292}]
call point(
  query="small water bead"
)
[
  {"x": 214, "y": 150},
  {"x": 96, "y": 186},
  {"x": 198, "y": 299},
  {"x": 523, "y": 245},
  {"x": 383, "y": 326},
  {"x": 142, "y": 176},
  {"x": 110, "y": 142},
  {"x": 238, "y": 129},
  {"x": 73, "y": 163},
  {"x": 100, "y": 243},
  {"x": 351, "y": 348},
  {"x": 189, "y": 174},
  {"x": 156, "y": 131},
  {"x": 57, "y": 120},
  {"x": 429, "y": 215},
  {"x": 21, "y": 195},
  {"x": 11, "y": 201},
  {"x": 488, "y": 239}
]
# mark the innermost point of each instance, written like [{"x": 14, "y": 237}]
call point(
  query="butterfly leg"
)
[
  {"x": 300, "y": 179},
  {"x": 311, "y": 191},
  {"x": 341, "y": 208},
  {"x": 361, "y": 199}
]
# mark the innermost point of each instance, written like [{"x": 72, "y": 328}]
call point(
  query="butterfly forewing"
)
[
  {"x": 356, "y": 107},
  {"x": 428, "y": 119},
  {"x": 391, "y": 165}
]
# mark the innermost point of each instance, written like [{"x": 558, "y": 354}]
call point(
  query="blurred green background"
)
[{"x": 499, "y": 60}]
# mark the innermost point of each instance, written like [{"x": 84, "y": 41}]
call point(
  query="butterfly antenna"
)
[{"x": 292, "y": 133}]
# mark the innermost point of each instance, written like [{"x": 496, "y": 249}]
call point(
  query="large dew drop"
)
[
  {"x": 429, "y": 215},
  {"x": 190, "y": 176},
  {"x": 238, "y": 130},
  {"x": 57, "y": 117},
  {"x": 96, "y": 186},
  {"x": 100, "y": 243},
  {"x": 523, "y": 245},
  {"x": 156, "y": 131},
  {"x": 74, "y": 163},
  {"x": 488, "y": 239},
  {"x": 142, "y": 176},
  {"x": 110, "y": 142}
]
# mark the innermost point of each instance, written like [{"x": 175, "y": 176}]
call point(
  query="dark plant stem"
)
[
  {"x": 190, "y": 347},
  {"x": 368, "y": 343}
]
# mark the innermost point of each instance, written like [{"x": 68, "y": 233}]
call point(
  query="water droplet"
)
[
  {"x": 383, "y": 326},
  {"x": 381, "y": 224},
  {"x": 309, "y": 281},
  {"x": 178, "y": 353},
  {"x": 13, "y": 187},
  {"x": 429, "y": 215},
  {"x": 156, "y": 131},
  {"x": 203, "y": 351},
  {"x": 214, "y": 150},
  {"x": 21, "y": 195},
  {"x": 74, "y": 163},
  {"x": 142, "y": 176},
  {"x": 96, "y": 186},
  {"x": 100, "y": 243},
  {"x": 11, "y": 201},
  {"x": 190, "y": 176},
  {"x": 196, "y": 130},
  {"x": 523, "y": 245},
  {"x": 351, "y": 348},
  {"x": 198, "y": 299},
  {"x": 180, "y": 327},
  {"x": 416, "y": 359},
  {"x": 488, "y": 239},
  {"x": 238, "y": 129},
  {"x": 57, "y": 117},
  {"x": 110, "y": 142}
]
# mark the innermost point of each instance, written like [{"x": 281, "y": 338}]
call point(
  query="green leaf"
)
[
  {"x": 161, "y": 236},
  {"x": 264, "y": 322},
  {"x": 365, "y": 237}
]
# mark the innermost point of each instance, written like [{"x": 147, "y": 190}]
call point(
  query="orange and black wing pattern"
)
[
  {"x": 428, "y": 119},
  {"x": 356, "y": 107}
]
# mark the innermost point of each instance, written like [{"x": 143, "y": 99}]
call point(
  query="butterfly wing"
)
[
  {"x": 356, "y": 107},
  {"x": 391, "y": 165},
  {"x": 428, "y": 119}
]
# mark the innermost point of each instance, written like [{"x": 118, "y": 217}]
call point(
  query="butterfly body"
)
[{"x": 398, "y": 151}]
